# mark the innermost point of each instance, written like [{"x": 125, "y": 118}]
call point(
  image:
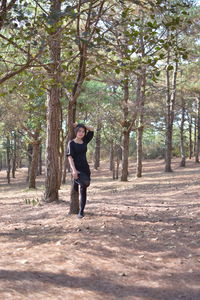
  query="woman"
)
[{"x": 76, "y": 153}]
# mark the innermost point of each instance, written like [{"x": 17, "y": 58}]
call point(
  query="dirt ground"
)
[{"x": 139, "y": 240}]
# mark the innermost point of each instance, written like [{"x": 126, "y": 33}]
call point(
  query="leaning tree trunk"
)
[
  {"x": 8, "y": 146},
  {"x": 182, "y": 144},
  {"x": 74, "y": 196},
  {"x": 82, "y": 25},
  {"x": 198, "y": 132},
  {"x": 14, "y": 157},
  {"x": 53, "y": 109},
  {"x": 97, "y": 146},
  {"x": 34, "y": 164}
]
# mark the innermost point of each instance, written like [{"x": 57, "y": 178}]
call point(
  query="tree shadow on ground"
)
[{"x": 106, "y": 286}]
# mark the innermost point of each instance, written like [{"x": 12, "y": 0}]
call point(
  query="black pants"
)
[{"x": 83, "y": 195}]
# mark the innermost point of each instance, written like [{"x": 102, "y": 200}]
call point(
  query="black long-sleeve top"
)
[{"x": 78, "y": 153}]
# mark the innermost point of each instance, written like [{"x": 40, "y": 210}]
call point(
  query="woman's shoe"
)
[{"x": 80, "y": 215}]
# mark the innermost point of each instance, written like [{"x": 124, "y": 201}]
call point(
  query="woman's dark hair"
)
[{"x": 78, "y": 127}]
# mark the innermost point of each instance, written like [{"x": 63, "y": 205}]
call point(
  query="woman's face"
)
[{"x": 80, "y": 133}]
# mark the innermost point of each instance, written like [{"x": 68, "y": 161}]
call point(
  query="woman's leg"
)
[{"x": 83, "y": 192}]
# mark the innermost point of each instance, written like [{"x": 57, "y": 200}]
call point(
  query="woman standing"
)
[{"x": 76, "y": 153}]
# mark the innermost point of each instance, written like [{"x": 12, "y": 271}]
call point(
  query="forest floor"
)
[{"x": 139, "y": 240}]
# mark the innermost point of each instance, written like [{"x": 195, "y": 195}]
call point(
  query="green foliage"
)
[{"x": 126, "y": 40}]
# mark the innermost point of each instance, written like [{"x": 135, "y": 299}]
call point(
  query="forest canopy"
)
[{"x": 128, "y": 68}]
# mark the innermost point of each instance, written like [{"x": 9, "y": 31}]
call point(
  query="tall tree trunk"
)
[
  {"x": 66, "y": 162},
  {"x": 111, "y": 156},
  {"x": 125, "y": 133},
  {"x": 8, "y": 156},
  {"x": 117, "y": 167},
  {"x": 171, "y": 97},
  {"x": 71, "y": 111},
  {"x": 65, "y": 167},
  {"x": 19, "y": 151},
  {"x": 83, "y": 25},
  {"x": 182, "y": 144},
  {"x": 198, "y": 131},
  {"x": 118, "y": 154},
  {"x": 74, "y": 200},
  {"x": 74, "y": 195},
  {"x": 40, "y": 161},
  {"x": 62, "y": 141},
  {"x": 14, "y": 157},
  {"x": 190, "y": 138},
  {"x": 97, "y": 146},
  {"x": 113, "y": 170},
  {"x": 29, "y": 153},
  {"x": 53, "y": 109},
  {"x": 141, "y": 85},
  {"x": 125, "y": 155},
  {"x": 195, "y": 134},
  {"x": 1, "y": 164},
  {"x": 139, "y": 150},
  {"x": 34, "y": 164}
]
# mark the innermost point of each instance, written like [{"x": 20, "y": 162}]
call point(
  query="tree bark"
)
[
  {"x": 14, "y": 156},
  {"x": 118, "y": 152},
  {"x": 195, "y": 134},
  {"x": 62, "y": 141},
  {"x": 40, "y": 161},
  {"x": 113, "y": 170},
  {"x": 53, "y": 109},
  {"x": 34, "y": 165},
  {"x": 141, "y": 85},
  {"x": 171, "y": 97},
  {"x": 182, "y": 142},
  {"x": 125, "y": 132},
  {"x": 97, "y": 146},
  {"x": 198, "y": 131},
  {"x": 111, "y": 156},
  {"x": 29, "y": 153},
  {"x": 74, "y": 203},
  {"x": 82, "y": 26},
  {"x": 19, "y": 152},
  {"x": 74, "y": 200},
  {"x": 190, "y": 138},
  {"x": 65, "y": 167},
  {"x": 125, "y": 154},
  {"x": 139, "y": 150},
  {"x": 1, "y": 164},
  {"x": 8, "y": 156}
]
